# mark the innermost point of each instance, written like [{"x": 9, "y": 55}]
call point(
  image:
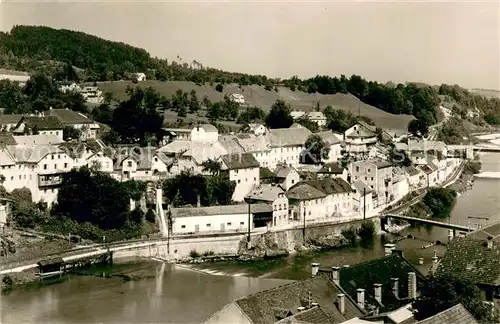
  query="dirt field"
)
[{"x": 258, "y": 96}]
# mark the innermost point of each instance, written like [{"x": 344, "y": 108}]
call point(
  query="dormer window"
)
[{"x": 129, "y": 163}]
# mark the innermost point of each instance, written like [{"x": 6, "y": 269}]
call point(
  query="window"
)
[
  {"x": 369, "y": 170},
  {"x": 357, "y": 169},
  {"x": 30, "y": 176},
  {"x": 208, "y": 225},
  {"x": 45, "y": 166},
  {"x": 372, "y": 178},
  {"x": 24, "y": 177},
  {"x": 129, "y": 163},
  {"x": 280, "y": 207},
  {"x": 183, "y": 226},
  {"x": 293, "y": 181},
  {"x": 65, "y": 165},
  {"x": 147, "y": 172},
  {"x": 254, "y": 179},
  {"x": 366, "y": 178},
  {"x": 12, "y": 178},
  {"x": 239, "y": 181},
  {"x": 52, "y": 156},
  {"x": 275, "y": 208},
  {"x": 309, "y": 213},
  {"x": 242, "y": 223},
  {"x": 58, "y": 156},
  {"x": 236, "y": 171},
  {"x": 19, "y": 177},
  {"x": 55, "y": 166},
  {"x": 228, "y": 224}
]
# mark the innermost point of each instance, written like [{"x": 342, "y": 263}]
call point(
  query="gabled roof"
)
[
  {"x": 364, "y": 275},
  {"x": 260, "y": 307},
  {"x": 455, "y": 315},
  {"x": 360, "y": 187},
  {"x": 32, "y": 153},
  {"x": 43, "y": 123},
  {"x": 304, "y": 191},
  {"x": 282, "y": 171},
  {"x": 6, "y": 119},
  {"x": 53, "y": 261},
  {"x": 265, "y": 173},
  {"x": 143, "y": 158},
  {"x": 7, "y": 139},
  {"x": 367, "y": 126},
  {"x": 469, "y": 258},
  {"x": 316, "y": 115},
  {"x": 69, "y": 117},
  {"x": 240, "y": 161},
  {"x": 328, "y": 137},
  {"x": 411, "y": 170},
  {"x": 313, "y": 315},
  {"x": 265, "y": 192},
  {"x": 209, "y": 128},
  {"x": 6, "y": 158},
  {"x": 251, "y": 143},
  {"x": 330, "y": 186},
  {"x": 48, "y": 139},
  {"x": 293, "y": 136},
  {"x": 331, "y": 168},
  {"x": 231, "y": 144},
  {"x": 221, "y": 210}
]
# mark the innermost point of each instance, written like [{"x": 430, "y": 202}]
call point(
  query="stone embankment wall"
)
[{"x": 269, "y": 244}]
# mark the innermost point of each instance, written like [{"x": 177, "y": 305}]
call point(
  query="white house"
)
[
  {"x": 237, "y": 97},
  {"x": 140, "y": 76},
  {"x": 359, "y": 138},
  {"x": 9, "y": 121},
  {"x": 92, "y": 94},
  {"x": 296, "y": 114},
  {"x": 243, "y": 169},
  {"x": 333, "y": 143},
  {"x": 76, "y": 120},
  {"x": 69, "y": 87},
  {"x": 260, "y": 148},
  {"x": 431, "y": 174},
  {"x": 333, "y": 170},
  {"x": 257, "y": 129},
  {"x": 375, "y": 173},
  {"x": 414, "y": 176},
  {"x": 287, "y": 145},
  {"x": 46, "y": 125},
  {"x": 274, "y": 195},
  {"x": 228, "y": 218},
  {"x": 400, "y": 185},
  {"x": 317, "y": 117},
  {"x": 14, "y": 76},
  {"x": 286, "y": 176},
  {"x": 362, "y": 199},
  {"x": 205, "y": 133},
  {"x": 135, "y": 164}
]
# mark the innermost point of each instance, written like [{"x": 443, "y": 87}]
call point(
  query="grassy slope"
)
[
  {"x": 487, "y": 93},
  {"x": 258, "y": 96}
]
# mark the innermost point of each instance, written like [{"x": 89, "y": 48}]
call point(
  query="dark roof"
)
[
  {"x": 469, "y": 258},
  {"x": 492, "y": 230},
  {"x": 43, "y": 123},
  {"x": 364, "y": 275},
  {"x": 313, "y": 315},
  {"x": 360, "y": 187},
  {"x": 331, "y": 168},
  {"x": 331, "y": 185},
  {"x": 69, "y": 117},
  {"x": 426, "y": 169},
  {"x": 411, "y": 170},
  {"x": 7, "y": 139},
  {"x": 10, "y": 118},
  {"x": 261, "y": 307},
  {"x": 221, "y": 210},
  {"x": 265, "y": 173},
  {"x": 52, "y": 261},
  {"x": 282, "y": 171},
  {"x": 304, "y": 191},
  {"x": 240, "y": 161},
  {"x": 456, "y": 315}
]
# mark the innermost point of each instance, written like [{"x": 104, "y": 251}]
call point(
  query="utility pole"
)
[
  {"x": 249, "y": 220},
  {"x": 364, "y": 204},
  {"x": 304, "y": 229}
]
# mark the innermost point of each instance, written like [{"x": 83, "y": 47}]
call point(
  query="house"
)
[
  {"x": 140, "y": 76},
  {"x": 287, "y": 301},
  {"x": 379, "y": 285},
  {"x": 333, "y": 143},
  {"x": 135, "y": 163},
  {"x": 69, "y": 87},
  {"x": 87, "y": 127},
  {"x": 243, "y": 169},
  {"x": 414, "y": 176},
  {"x": 259, "y": 146},
  {"x": 333, "y": 170},
  {"x": 9, "y": 121},
  {"x": 418, "y": 150},
  {"x": 400, "y": 186},
  {"x": 359, "y": 138},
  {"x": 456, "y": 314},
  {"x": 317, "y": 117},
  {"x": 430, "y": 174},
  {"x": 237, "y": 97},
  {"x": 286, "y": 176},
  {"x": 325, "y": 200},
  {"x": 402, "y": 315},
  {"x": 14, "y": 76},
  {"x": 5, "y": 211},
  {"x": 476, "y": 258},
  {"x": 274, "y": 195},
  {"x": 296, "y": 114},
  {"x": 92, "y": 94},
  {"x": 257, "y": 129},
  {"x": 182, "y": 133},
  {"x": 205, "y": 133},
  {"x": 287, "y": 145},
  {"x": 375, "y": 173},
  {"x": 47, "y": 125},
  {"x": 189, "y": 220},
  {"x": 266, "y": 175},
  {"x": 362, "y": 201}
]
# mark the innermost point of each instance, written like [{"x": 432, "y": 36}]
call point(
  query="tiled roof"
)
[
  {"x": 265, "y": 173},
  {"x": 6, "y": 158},
  {"x": 240, "y": 161},
  {"x": 360, "y": 133},
  {"x": 360, "y": 186},
  {"x": 74, "y": 149},
  {"x": 32, "y": 153},
  {"x": 282, "y": 171},
  {"x": 69, "y": 117},
  {"x": 364, "y": 275},
  {"x": 431, "y": 163},
  {"x": 44, "y": 123},
  {"x": 330, "y": 185},
  {"x": 293, "y": 136},
  {"x": 253, "y": 144},
  {"x": 7, "y": 139},
  {"x": 426, "y": 169},
  {"x": 423, "y": 145},
  {"x": 331, "y": 168},
  {"x": 37, "y": 140},
  {"x": 371, "y": 128},
  {"x": 143, "y": 157},
  {"x": 6, "y": 119},
  {"x": 469, "y": 258},
  {"x": 265, "y": 192},
  {"x": 304, "y": 191},
  {"x": 454, "y": 315},
  {"x": 328, "y": 137},
  {"x": 259, "y": 307},
  {"x": 492, "y": 230},
  {"x": 231, "y": 144},
  {"x": 411, "y": 170},
  {"x": 316, "y": 115},
  {"x": 221, "y": 210},
  {"x": 313, "y": 315}
]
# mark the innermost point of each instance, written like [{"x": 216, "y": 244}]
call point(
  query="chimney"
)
[
  {"x": 314, "y": 269},
  {"x": 490, "y": 242},
  {"x": 346, "y": 266},
  {"x": 395, "y": 287},
  {"x": 336, "y": 275},
  {"x": 341, "y": 303},
  {"x": 412, "y": 285},
  {"x": 388, "y": 248},
  {"x": 361, "y": 298},
  {"x": 301, "y": 309},
  {"x": 378, "y": 292},
  {"x": 435, "y": 258}
]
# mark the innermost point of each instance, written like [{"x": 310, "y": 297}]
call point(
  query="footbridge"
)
[
  {"x": 385, "y": 219},
  {"x": 475, "y": 148}
]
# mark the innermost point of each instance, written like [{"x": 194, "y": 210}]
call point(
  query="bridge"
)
[
  {"x": 454, "y": 227},
  {"x": 481, "y": 148}
]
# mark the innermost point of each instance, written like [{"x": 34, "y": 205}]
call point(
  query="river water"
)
[{"x": 174, "y": 294}]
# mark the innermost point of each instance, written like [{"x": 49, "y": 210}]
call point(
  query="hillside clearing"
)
[{"x": 257, "y": 96}]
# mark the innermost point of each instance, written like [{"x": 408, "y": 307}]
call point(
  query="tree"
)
[
  {"x": 316, "y": 150},
  {"x": 194, "y": 104},
  {"x": 279, "y": 116},
  {"x": 71, "y": 133},
  {"x": 103, "y": 114},
  {"x": 206, "y": 102},
  {"x": 418, "y": 127},
  {"x": 211, "y": 166},
  {"x": 309, "y": 124},
  {"x": 440, "y": 201},
  {"x": 339, "y": 120},
  {"x": 440, "y": 293},
  {"x": 219, "y": 87},
  {"x": 251, "y": 115}
]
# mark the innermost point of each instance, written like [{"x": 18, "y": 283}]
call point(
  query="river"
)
[{"x": 174, "y": 294}]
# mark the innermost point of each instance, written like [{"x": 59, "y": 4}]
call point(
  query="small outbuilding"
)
[{"x": 50, "y": 266}]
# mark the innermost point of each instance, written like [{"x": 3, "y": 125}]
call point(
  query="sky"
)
[{"x": 427, "y": 41}]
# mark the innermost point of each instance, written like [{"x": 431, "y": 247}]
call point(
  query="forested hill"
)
[{"x": 60, "y": 53}]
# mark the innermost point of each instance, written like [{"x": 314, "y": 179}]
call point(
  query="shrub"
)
[
  {"x": 219, "y": 87},
  {"x": 194, "y": 254},
  {"x": 473, "y": 167},
  {"x": 367, "y": 230},
  {"x": 207, "y": 253},
  {"x": 350, "y": 235}
]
